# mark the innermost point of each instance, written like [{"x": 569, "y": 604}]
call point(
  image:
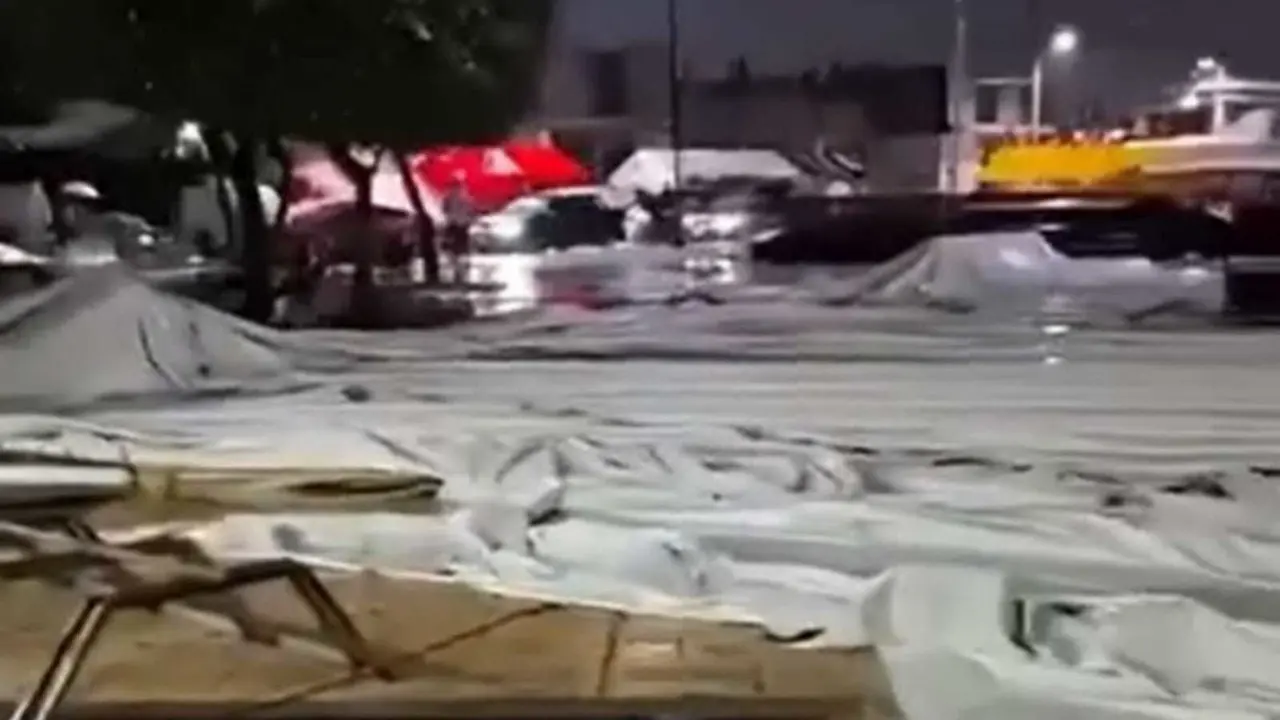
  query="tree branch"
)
[
  {"x": 356, "y": 171},
  {"x": 427, "y": 246}
]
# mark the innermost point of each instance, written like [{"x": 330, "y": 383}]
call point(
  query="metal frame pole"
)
[
  {"x": 675, "y": 88},
  {"x": 1037, "y": 96},
  {"x": 959, "y": 95},
  {"x": 676, "y": 91}
]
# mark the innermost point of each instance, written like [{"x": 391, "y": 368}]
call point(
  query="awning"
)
[
  {"x": 493, "y": 176},
  {"x": 546, "y": 166}
]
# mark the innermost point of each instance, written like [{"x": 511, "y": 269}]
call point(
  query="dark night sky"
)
[{"x": 1132, "y": 47}]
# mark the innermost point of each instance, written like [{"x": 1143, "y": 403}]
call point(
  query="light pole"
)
[
  {"x": 675, "y": 91},
  {"x": 1065, "y": 42},
  {"x": 958, "y": 99}
]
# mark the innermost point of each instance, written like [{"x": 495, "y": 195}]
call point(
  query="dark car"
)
[{"x": 871, "y": 229}]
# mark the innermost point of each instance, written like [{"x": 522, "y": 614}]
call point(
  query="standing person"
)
[
  {"x": 459, "y": 213},
  {"x": 81, "y": 208},
  {"x": 89, "y": 233}
]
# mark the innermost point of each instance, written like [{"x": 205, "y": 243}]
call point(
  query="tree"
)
[
  {"x": 396, "y": 74},
  {"x": 372, "y": 72}
]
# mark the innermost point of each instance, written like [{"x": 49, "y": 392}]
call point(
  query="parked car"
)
[
  {"x": 874, "y": 229},
  {"x": 1159, "y": 230},
  {"x": 568, "y": 247},
  {"x": 584, "y": 215}
]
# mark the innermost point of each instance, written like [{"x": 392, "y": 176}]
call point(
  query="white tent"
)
[
  {"x": 103, "y": 334},
  {"x": 330, "y": 186},
  {"x": 1021, "y": 273},
  {"x": 653, "y": 170}
]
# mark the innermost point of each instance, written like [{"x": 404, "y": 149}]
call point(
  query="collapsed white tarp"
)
[
  {"x": 989, "y": 588},
  {"x": 1021, "y": 274},
  {"x": 104, "y": 335},
  {"x": 1117, "y": 532},
  {"x": 16, "y": 257},
  {"x": 1115, "y": 518},
  {"x": 653, "y": 170}
]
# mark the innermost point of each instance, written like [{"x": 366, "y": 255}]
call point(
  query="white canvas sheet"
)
[{"x": 841, "y": 476}]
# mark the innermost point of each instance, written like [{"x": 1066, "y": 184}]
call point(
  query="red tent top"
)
[
  {"x": 547, "y": 166},
  {"x": 493, "y": 176}
]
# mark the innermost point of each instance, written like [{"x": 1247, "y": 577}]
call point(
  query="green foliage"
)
[{"x": 392, "y": 72}]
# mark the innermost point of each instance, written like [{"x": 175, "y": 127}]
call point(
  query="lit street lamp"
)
[
  {"x": 1065, "y": 42},
  {"x": 1208, "y": 66}
]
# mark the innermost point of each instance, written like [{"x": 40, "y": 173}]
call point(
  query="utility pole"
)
[
  {"x": 675, "y": 91},
  {"x": 1036, "y": 31},
  {"x": 958, "y": 96},
  {"x": 675, "y": 86}
]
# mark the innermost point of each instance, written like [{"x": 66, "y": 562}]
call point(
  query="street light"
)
[
  {"x": 1208, "y": 66},
  {"x": 1065, "y": 42}
]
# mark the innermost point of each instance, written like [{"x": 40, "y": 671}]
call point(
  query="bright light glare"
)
[
  {"x": 1207, "y": 64},
  {"x": 1188, "y": 102},
  {"x": 728, "y": 224},
  {"x": 189, "y": 132},
  {"x": 1065, "y": 41},
  {"x": 506, "y": 228}
]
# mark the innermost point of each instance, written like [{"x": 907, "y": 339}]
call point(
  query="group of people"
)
[
  {"x": 310, "y": 293},
  {"x": 35, "y": 222}
]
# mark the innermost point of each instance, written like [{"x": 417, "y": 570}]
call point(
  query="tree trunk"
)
[
  {"x": 364, "y": 297},
  {"x": 365, "y": 310},
  {"x": 428, "y": 248},
  {"x": 220, "y": 160},
  {"x": 58, "y": 210},
  {"x": 281, "y": 154},
  {"x": 255, "y": 248}
]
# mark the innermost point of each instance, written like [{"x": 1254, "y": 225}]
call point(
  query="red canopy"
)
[
  {"x": 547, "y": 166},
  {"x": 493, "y": 176}
]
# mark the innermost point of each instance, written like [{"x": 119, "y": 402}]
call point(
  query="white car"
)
[
  {"x": 584, "y": 215},
  {"x": 568, "y": 247}
]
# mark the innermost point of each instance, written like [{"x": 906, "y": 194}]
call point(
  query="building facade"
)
[{"x": 603, "y": 103}]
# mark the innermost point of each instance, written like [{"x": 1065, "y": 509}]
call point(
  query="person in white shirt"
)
[{"x": 81, "y": 207}]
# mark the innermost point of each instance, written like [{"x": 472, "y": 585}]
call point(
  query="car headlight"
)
[
  {"x": 716, "y": 225},
  {"x": 724, "y": 225},
  {"x": 696, "y": 223},
  {"x": 502, "y": 228},
  {"x": 706, "y": 267}
]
